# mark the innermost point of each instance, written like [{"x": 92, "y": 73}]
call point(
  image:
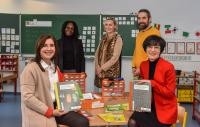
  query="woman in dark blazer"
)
[
  {"x": 162, "y": 76},
  {"x": 71, "y": 54}
]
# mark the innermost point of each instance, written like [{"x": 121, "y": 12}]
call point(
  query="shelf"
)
[
  {"x": 197, "y": 98},
  {"x": 196, "y": 101}
]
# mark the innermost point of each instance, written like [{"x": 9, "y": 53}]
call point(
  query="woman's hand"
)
[
  {"x": 57, "y": 112},
  {"x": 98, "y": 70}
]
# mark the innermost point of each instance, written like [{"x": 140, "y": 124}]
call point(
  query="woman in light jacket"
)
[{"x": 37, "y": 92}]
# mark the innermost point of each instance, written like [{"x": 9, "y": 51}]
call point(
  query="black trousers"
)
[{"x": 72, "y": 119}]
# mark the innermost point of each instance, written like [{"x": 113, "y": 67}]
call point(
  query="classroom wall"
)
[{"x": 182, "y": 14}]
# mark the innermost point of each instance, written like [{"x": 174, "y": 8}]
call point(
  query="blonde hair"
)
[{"x": 114, "y": 21}]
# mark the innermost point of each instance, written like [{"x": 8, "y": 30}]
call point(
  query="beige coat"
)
[{"x": 35, "y": 97}]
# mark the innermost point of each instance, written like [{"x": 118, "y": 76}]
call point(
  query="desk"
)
[
  {"x": 8, "y": 76},
  {"x": 97, "y": 121}
]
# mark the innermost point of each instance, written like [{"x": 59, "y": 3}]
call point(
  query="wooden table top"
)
[
  {"x": 95, "y": 120},
  {"x": 7, "y": 76}
]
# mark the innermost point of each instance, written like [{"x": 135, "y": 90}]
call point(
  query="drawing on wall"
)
[
  {"x": 190, "y": 47},
  {"x": 171, "y": 47},
  {"x": 198, "y": 48},
  {"x": 180, "y": 47}
]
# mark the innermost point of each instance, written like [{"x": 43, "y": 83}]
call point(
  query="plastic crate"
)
[
  {"x": 78, "y": 77},
  {"x": 113, "y": 88}
]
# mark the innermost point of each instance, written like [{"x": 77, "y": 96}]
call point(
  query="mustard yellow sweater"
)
[{"x": 139, "y": 54}]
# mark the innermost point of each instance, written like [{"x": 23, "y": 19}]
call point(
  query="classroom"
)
[{"x": 24, "y": 21}]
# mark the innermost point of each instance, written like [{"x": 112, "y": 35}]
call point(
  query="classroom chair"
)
[{"x": 182, "y": 117}]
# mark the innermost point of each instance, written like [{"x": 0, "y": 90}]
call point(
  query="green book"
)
[{"x": 68, "y": 95}]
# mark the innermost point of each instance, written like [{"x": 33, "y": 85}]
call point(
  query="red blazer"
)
[{"x": 164, "y": 85}]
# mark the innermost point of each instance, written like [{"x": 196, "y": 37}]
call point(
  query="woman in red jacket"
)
[{"x": 161, "y": 74}]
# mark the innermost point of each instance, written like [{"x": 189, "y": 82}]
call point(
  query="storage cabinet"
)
[
  {"x": 196, "y": 102},
  {"x": 9, "y": 63},
  {"x": 8, "y": 70},
  {"x": 185, "y": 87}
]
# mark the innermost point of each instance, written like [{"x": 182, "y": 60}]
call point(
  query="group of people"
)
[{"x": 66, "y": 55}]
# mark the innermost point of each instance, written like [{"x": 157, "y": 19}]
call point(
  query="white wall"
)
[{"x": 180, "y": 13}]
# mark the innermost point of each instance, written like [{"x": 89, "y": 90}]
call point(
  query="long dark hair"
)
[
  {"x": 75, "y": 35},
  {"x": 40, "y": 44}
]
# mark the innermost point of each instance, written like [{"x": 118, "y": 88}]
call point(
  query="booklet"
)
[
  {"x": 109, "y": 117},
  {"x": 68, "y": 95},
  {"x": 116, "y": 108},
  {"x": 142, "y": 95}
]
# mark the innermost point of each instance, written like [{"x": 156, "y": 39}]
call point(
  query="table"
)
[
  {"x": 95, "y": 120},
  {"x": 8, "y": 76}
]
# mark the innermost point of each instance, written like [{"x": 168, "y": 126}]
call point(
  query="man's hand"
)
[{"x": 136, "y": 71}]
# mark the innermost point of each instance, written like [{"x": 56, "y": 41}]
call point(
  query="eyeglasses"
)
[{"x": 157, "y": 48}]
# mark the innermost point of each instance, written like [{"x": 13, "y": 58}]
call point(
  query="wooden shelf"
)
[
  {"x": 8, "y": 70},
  {"x": 185, "y": 88},
  {"x": 196, "y": 101}
]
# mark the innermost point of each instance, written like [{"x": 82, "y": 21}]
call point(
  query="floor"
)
[{"x": 10, "y": 112}]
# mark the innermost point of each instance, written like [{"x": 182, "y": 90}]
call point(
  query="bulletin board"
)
[
  {"x": 34, "y": 25},
  {"x": 9, "y": 34}
]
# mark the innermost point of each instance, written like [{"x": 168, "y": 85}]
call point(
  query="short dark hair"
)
[
  {"x": 146, "y": 11},
  {"x": 40, "y": 44},
  {"x": 154, "y": 40},
  {"x": 76, "y": 32}
]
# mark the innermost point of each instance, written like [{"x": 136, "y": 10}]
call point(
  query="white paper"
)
[
  {"x": 93, "y": 27},
  {"x": 7, "y": 49},
  {"x": 92, "y": 49},
  {"x": 87, "y": 49},
  {"x": 93, "y": 36},
  {"x": 16, "y": 43},
  {"x": 93, "y": 41},
  {"x": 7, "y": 30},
  {"x": 88, "y": 40},
  {"x": 84, "y": 28},
  {"x": 7, "y": 43},
  {"x": 12, "y": 37},
  {"x": 93, "y": 45},
  {"x": 89, "y": 32},
  {"x": 17, "y": 37},
  {"x": 7, "y": 37},
  {"x": 3, "y": 30},
  {"x": 3, "y": 37},
  {"x": 93, "y": 32},
  {"x": 84, "y": 32},
  {"x": 3, "y": 43},
  {"x": 17, "y": 51},
  {"x": 83, "y": 41},
  {"x": 89, "y": 28},
  {"x": 88, "y": 45},
  {"x": 12, "y": 31}
]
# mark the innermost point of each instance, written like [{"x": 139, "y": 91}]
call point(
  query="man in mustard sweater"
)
[{"x": 145, "y": 30}]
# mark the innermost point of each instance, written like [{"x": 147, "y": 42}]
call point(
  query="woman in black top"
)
[{"x": 71, "y": 54}]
